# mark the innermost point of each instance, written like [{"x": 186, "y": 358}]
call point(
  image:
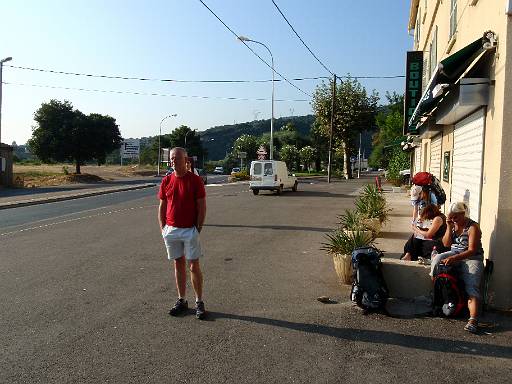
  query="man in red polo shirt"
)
[{"x": 181, "y": 215}]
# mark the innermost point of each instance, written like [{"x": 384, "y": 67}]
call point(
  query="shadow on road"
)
[
  {"x": 302, "y": 194},
  {"x": 380, "y": 337},
  {"x": 278, "y": 227}
]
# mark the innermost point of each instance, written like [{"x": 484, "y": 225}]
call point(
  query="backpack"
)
[
  {"x": 422, "y": 178},
  {"x": 428, "y": 179},
  {"x": 448, "y": 293},
  {"x": 369, "y": 290},
  {"x": 435, "y": 186}
]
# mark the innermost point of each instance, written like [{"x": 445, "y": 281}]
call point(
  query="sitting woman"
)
[
  {"x": 463, "y": 236},
  {"x": 423, "y": 240}
]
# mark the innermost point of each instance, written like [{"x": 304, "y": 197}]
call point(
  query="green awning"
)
[
  {"x": 454, "y": 65},
  {"x": 447, "y": 72}
]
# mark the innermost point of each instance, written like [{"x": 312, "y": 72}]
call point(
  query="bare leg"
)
[
  {"x": 181, "y": 276},
  {"x": 473, "y": 307},
  {"x": 196, "y": 276},
  {"x": 407, "y": 257}
]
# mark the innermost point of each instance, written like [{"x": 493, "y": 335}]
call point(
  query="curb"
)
[{"x": 53, "y": 199}]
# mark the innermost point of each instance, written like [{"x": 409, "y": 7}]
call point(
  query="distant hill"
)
[{"x": 219, "y": 140}]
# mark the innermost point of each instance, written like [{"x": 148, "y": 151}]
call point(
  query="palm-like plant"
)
[
  {"x": 351, "y": 220},
  {"x": 341, "y": 242},
  {"x": 371, "y": 204}
]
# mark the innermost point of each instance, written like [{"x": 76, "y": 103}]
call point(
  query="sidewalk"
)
[{"x": 20, "y": 197}]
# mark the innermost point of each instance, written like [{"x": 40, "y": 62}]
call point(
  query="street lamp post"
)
[
  {"x": 186, "y": 134},
  {"x": 1, "y": 66},
  {"x": 159, "y": 137},
  {"x": 243, "y": 38}
]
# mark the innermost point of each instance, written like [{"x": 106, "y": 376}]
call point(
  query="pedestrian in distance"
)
[{"x": 181, "y": 215}]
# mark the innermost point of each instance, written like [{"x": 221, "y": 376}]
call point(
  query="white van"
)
[{"x": 271, "y": 175}]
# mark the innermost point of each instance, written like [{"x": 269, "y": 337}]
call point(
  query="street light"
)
[
  {"x": 159, "y": 137},
  {"x": 243, "y": 39},
  {"x": 1, "y": 66},
  {"x": 186, "y": 134}
]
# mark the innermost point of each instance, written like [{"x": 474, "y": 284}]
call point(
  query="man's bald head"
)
[{"x": 178, "y": 159}]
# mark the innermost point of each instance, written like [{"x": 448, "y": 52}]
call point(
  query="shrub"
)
[
  {"x": 351, "y": 221},
  {"x": 240, "y": 176},
  {"x": 340, "y": 242},
  {"x": 371, "y": 204},
  {"x": 399, "y": 161}
]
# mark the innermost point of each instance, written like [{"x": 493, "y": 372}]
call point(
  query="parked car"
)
[
  {"x": 235, "y": 170},
  {"x": 202, "y": 173},
  {"x": 271, "y": 175},
  {"x": 218, "y": 170}
]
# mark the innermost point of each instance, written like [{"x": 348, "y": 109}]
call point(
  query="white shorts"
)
[{"x": 182, "y": 241}]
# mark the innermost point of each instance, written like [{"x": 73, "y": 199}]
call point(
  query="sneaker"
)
[
  {"x": 179, "y": 308},
  {"x": 423, "y": 260},
  {"x": 200, "y": 311}
]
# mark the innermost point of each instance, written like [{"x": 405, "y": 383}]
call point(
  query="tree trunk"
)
[
  {"x": 347, "y": 170},
  {"x": 77, "y": 167}
]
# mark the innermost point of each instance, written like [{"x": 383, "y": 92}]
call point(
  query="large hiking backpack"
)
[
  {"x": 428, "y": 179},
  {"x": 449, "y": 299},
  {"x": 369, "y": 290},
  {"x": 435, "y": 186}
]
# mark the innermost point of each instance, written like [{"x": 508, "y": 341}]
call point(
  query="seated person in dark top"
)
[{"x": 423, "y": 240}]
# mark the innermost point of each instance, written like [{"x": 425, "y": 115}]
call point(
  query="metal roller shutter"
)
[
  {"x": 468, "y": 143},
  {"x": 435, "y": 156}
]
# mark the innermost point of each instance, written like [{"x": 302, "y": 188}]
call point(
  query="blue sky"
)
[{"x": 182, "y": 40}]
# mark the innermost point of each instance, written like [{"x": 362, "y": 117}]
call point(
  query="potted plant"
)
[
  {"x": 340, "y": 245},
  {"x": 372, "y": 207},
  {"x": 351, "y": 221}
]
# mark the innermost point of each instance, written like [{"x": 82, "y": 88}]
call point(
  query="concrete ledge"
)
[{"x": 406, "y": 279}]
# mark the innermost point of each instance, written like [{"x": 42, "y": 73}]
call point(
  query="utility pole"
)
[
  {"x": 330, "y": 133},
  {"x": 359, "y": 158}
]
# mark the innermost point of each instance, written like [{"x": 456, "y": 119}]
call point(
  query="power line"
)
[
  {"x": 151, "y": 93},
  {"x": 302, "y": 41},
  {"x": 153, "y": 79},
  {"x": 117, "y": 77},
  {"x": 258, "y": 56}
]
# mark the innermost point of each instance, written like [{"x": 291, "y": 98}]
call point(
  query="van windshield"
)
[{"x": 268, "y": 169}]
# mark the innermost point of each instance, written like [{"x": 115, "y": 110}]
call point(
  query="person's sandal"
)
[{"x": 472, "y": 325}]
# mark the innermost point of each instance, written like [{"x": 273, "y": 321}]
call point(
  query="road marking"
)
[{"x": 76, "y": 219}]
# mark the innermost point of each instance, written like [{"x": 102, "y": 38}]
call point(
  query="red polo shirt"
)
[{"x": 181, "y": 194}]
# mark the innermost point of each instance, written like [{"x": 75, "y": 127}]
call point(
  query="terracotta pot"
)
[{"x": 343, "y": 268}]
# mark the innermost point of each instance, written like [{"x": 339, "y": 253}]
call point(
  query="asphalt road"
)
[{"x": 85, "y": 300}]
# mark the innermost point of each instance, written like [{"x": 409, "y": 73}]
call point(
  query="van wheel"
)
[
  {"x": 255, "y": 191},
  {"x": 294, "y": 188},
  {"x": 279, "y": 190}
]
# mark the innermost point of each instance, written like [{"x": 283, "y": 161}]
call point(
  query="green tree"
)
[
  {"x": 65, "y": 134},
  {"x": 399, "y": 160},
  {"x": 354, "y": 112},
  {"x": 248, "y": 144},
  {"x": 289, "y": 127},
  {"x": 390, "y": 131},
  {"x": 106, "y": 132},
  {"x": 290, "y": 155},
  {"x": 307, "y": 155}
]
